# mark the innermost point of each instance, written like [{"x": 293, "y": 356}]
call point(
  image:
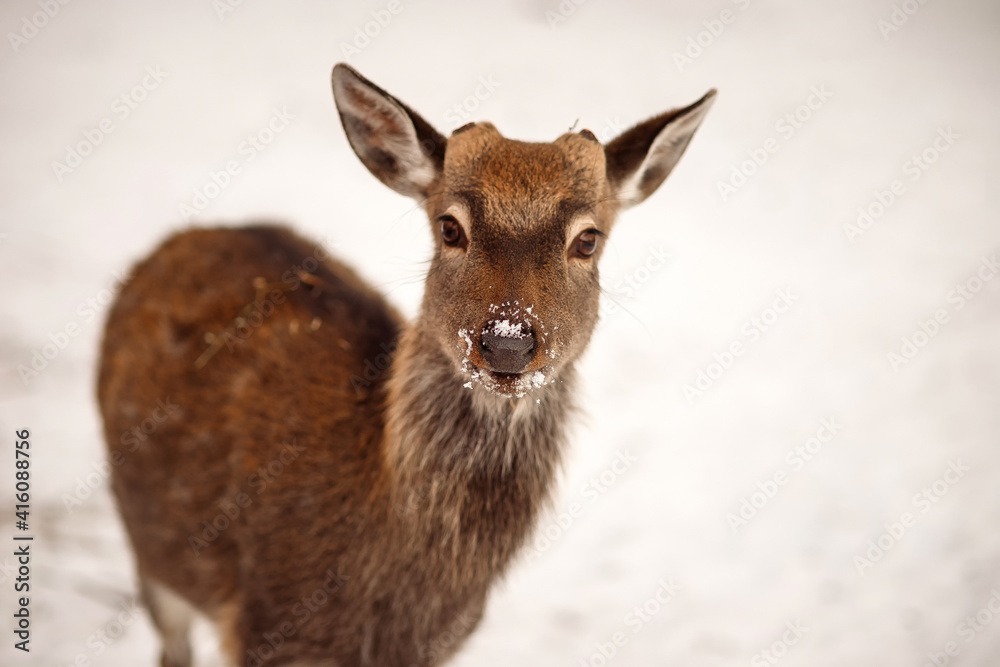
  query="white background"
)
[{"x": 607, "y": 65}]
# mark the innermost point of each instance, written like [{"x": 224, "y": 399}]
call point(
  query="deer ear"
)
[
  {"x": 398, "y": 146},
  {"x": 639, "y": 159}
]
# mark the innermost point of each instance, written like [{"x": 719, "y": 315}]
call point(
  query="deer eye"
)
[
  {"x": 451, "y": 232},
  {"x": 585, "y": 244}
]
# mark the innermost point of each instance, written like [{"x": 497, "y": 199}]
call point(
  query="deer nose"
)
[{"x": 506, "y": 346}]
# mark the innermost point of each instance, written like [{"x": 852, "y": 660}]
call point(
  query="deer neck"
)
[{"x": 470, "y": 465}]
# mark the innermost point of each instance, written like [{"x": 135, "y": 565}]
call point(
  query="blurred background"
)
[{"x": 826, "y": 496}]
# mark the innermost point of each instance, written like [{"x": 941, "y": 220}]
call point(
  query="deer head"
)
[{"x": 512, "y": 292}]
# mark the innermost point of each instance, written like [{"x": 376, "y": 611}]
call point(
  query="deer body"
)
[{"x": 335, "y": 486}]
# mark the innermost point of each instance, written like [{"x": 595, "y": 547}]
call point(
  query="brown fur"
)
[{"x": 321, "y": 504}]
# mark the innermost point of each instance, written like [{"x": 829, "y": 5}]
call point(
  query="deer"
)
[{"x": 333, "y": 485}]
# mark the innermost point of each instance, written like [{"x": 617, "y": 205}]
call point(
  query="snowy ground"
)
[{"x": 664, "y": 533}]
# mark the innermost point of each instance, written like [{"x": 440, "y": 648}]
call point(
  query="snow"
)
[
  {"x": 537, "y": 378},
  {"x": 507, "y": 329},
  {"x": 467, "y": 339},
  {"x": 822, "y": 110}
]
